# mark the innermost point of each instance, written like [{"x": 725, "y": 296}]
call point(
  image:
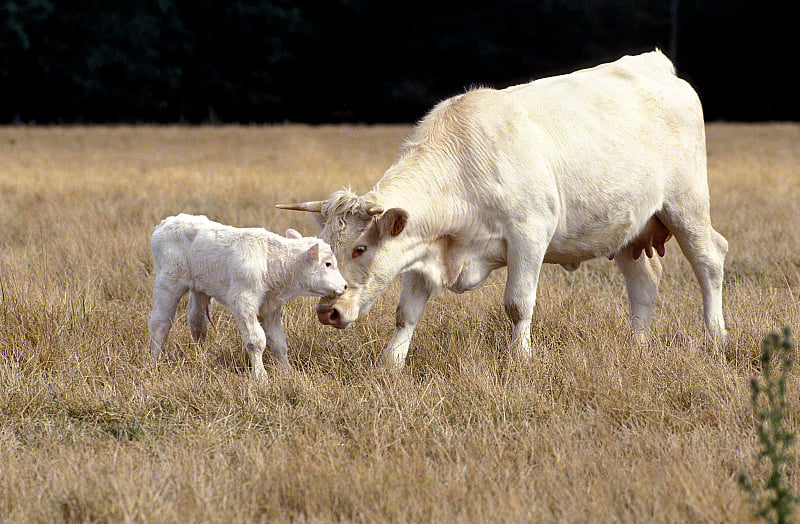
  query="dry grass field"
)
[{"x": 590, "y": 430}]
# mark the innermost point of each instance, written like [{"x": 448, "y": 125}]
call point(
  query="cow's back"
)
[
  {"x": 632, "y": 111},
  {"x": 646, "y": 82}
]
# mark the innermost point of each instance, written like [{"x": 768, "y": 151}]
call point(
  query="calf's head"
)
[
  {"x": 363, "y": 237},
  {"x": 319, "y": 272}
]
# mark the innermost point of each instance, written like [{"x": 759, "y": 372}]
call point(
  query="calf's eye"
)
[
  {"x": 358, "y": 251},
  {"x": 328, "y": 264}
]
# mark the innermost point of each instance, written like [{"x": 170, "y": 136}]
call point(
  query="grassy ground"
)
[{"x": 590, "y": 430}]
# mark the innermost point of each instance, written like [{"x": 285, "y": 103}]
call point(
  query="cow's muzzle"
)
[{"x": 331, "y": 316}]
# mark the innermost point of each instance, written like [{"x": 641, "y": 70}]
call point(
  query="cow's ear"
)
[
  {"x": 292, "y": 233},
  {"x": 312, "y": 255},
  {"x": 392, "y": 221}
]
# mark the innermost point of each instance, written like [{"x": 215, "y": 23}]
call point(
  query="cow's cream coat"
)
[
  {"x": 602, "y": 162},
  {"x": 250, "y": 270}
]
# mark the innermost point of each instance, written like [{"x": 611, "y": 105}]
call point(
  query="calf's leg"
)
[
  {"x": 165, "y": 302},
  {"x": 276, "y": 338},
  {"x": 253, "y": 336},
  {"x": 197, "y": 315}
]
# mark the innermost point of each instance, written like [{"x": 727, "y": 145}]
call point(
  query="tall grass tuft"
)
[{"x": 773, "y": 497}]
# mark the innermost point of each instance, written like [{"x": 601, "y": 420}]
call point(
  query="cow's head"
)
[{"x": 363, "y": 236}]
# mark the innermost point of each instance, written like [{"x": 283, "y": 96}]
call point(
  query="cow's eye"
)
[
  {"x": 328, "y": 264},
  {"x": 358, "y": 251}
]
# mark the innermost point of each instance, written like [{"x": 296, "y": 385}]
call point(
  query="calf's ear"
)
[
  {"x": 312, "y": 255},
  {"x": 291, "y": 233},
  {"x": 392, "y": 221}
]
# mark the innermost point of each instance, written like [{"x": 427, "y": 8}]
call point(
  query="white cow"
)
[
  {"x": 603, "y": 162},
  {"x": 250, "y": 270}
]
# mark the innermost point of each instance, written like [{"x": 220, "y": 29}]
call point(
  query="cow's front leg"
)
[
  {"x": 276, "y": 338},
  {"x": 414, "y": 294},
  {"x": 524, "y": 264}
]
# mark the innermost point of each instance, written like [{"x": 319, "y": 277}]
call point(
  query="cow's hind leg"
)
[
  {"x": 159, "y": 322},
  {"x": 414, "y": 295},
  {"x": 641, "y": 284},
  {"x": 197, "y": 315},
  {"x": 705, "y": 249}
]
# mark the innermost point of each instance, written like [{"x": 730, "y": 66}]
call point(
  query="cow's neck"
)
[
  {"x": 424, "y": 247},
  {"x": 424, "y": 190}
]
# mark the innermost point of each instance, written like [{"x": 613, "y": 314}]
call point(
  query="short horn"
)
[
  {"x": 314, "y": 207},
  {"x": 374, "y": 209}
]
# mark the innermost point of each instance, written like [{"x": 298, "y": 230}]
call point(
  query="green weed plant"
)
[{"x": 773, "y": 497}]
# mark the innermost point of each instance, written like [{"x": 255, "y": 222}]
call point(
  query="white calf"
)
[{"x": 251, "y": 271}]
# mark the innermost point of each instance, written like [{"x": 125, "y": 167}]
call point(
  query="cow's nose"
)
[{"x": 330, "y": 317}]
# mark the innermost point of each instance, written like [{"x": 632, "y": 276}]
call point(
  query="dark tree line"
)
[{"x": 361, "y": 60}]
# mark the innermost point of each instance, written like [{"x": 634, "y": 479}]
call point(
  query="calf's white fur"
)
[{"x": 251, "y": 271}]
